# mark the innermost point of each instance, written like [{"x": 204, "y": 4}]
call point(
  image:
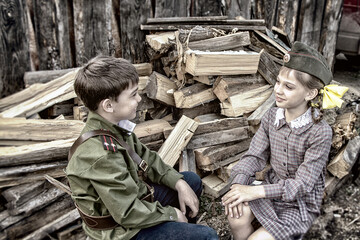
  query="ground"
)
[{"x": 340, "y": 213}]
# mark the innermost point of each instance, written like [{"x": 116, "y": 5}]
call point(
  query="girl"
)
[{"x": 296, "y": 142}]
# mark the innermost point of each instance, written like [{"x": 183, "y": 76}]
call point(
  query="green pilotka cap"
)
[{"x": 304, "y": 58}]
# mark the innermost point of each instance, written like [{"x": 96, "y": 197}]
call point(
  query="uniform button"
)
[
  {"x": 284, "y": 164},
  {"x": 284, "y": 149},
  {"x": 285, "y": 138},
  {"x": 171, "y": 218}
]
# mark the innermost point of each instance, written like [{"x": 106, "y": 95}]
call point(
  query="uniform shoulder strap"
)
[{"x": 85, "y": 136}]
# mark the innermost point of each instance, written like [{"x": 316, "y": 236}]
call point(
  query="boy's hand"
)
[
  {"x": 187, "y": 197},
  {"x": 181, "y": 216}
]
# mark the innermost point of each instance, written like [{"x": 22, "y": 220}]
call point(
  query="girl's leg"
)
[
  {"x": 241, "y": 227},
  {"x": 261, "y": 234}
]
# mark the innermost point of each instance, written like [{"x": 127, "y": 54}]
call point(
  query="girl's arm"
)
[{"x": 308, "y": 173}]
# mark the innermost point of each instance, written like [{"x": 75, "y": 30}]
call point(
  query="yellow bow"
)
[{"x": 332, "y": 96}]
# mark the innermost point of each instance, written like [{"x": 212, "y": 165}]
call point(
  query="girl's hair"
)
[
  {"x": 310, "y": 82},
  {"x": 104, "y": 77}
]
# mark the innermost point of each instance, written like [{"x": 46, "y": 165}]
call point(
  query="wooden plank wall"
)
[{"x": 60, "y": 34}]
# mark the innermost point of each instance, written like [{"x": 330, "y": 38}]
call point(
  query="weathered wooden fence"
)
[{"x": 59, "y": 34}]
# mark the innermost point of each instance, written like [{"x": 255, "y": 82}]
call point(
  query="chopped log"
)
[
  {"x": 16, "y": 196},
  {"x": 196, "y": 33},
  {"x": 245, "y": 102},
  {"x": 21, "y": 129},
  {"x": 62, "y": 221},
  {"x": 74, "y": 232},
  {"x": 225, "y": 87},
  {"x": 214, "y": 138},
  {"x": 210, "y": 158},
  {"x": 258, "y": 43},
  {"x": 208, "y": 117},
  {"x": 221, "y": 63},
  {"x": 35, "y": 153},
  {"x": 208, "y": 80},
  {"x": 158, "y": 88},
  {"x": 47, "y": 196},
  {"x": 197, "y": 20},
  {"x": 343, "y": 162},
  {"x": 225, "y": 172},
  {"x": 32, "y": 177},
  {"x": 214, "y": 186},
  {"x": 177, "y": 140},
  {"x": 151, "y": 127},
  {"x": 193, "y": 95},
  {"x": 44, "y": 76},
  {"x": 63, "y": 108},
  {"x": 12, "y": 173},
  {"x": 271, "y": 41},
  {"x": 160, "y": 42},
  {"x": 275, "y": 38},
  {"x": 187, "y": 161},
  {"x": 80, "y": 113},
  {"x": 218, "y": 124},
  {"x": 268, "y": 68},
  {"x": 332, "y": 184},
  {"x": 16, "y": 226},
  {"x": 282, "y": 35},
  {"x": 211, "y": 107},
  {"x": 256, "y": 116},
  {"x": 222, "y": 43},
  {"x": 225, "y": 27},
  {"x": 34, "y": 91},
  {"x": 51, "y": 94}
]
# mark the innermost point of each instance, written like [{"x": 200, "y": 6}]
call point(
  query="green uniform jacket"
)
[{"x": 106, "y": 182}]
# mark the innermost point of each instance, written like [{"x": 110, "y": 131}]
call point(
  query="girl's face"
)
[{"x": 290, "y": 93}]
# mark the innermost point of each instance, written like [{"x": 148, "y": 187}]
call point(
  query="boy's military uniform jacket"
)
[{"x": 104, "y": 180}]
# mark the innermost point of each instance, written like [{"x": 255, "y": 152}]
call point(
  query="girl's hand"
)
[
  {"x": 236, "y": 211},
  {"x": 242, "y": 193}
]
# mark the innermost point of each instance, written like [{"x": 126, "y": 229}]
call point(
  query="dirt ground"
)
[{"x": 340, "y": 213}]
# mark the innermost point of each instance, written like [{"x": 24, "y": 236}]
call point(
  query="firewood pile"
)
[{"x": 206, "y": 86}]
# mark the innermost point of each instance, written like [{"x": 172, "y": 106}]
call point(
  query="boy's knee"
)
[{"x": 209, "y": 233}]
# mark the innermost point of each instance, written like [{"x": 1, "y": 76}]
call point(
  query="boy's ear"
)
[
  {"x": 312, "y": 93},
  {"x": 106, "y": 105}
]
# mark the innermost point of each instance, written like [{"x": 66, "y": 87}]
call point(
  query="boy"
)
[{"x": 113, "y": 200}]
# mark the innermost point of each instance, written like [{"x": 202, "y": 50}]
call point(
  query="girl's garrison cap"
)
[{"x": 304, "y": 58}]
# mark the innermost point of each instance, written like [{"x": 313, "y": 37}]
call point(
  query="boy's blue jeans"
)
[{"x": 177, "y": 230}]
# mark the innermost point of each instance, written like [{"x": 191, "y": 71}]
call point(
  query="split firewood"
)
[
  {"x": 200, "y": 63},
  {"x": 208, "y": 80},
  {"x": 63, "y": 108},
  {"x": 221, "y": 43},
  {"x": 44, "y": 76},
  {"x": 20, "y": 129},
  {"x": 256, "y": 116},
  {"x": 193, "y": 95},
  {"x": 187, "y": 161},
  {"x": 214, "y": 157},
  {"x": 344, "y": 129},
  {"x": 159, "y": 88},
  {"x": 226, "y": 86},
  {"x": 160, "y": 42},
  {"x": 246, "y": 102},
  {"x": 214, "y": 186},
  {"x": 268, "y": 68},
  {"x": 220, "y": 137},
  {"x": 345, "y": 159},
  {"x": 271, "y": 41},
  {"x": 35, "y": 153},
  {"x": 196, "y": 33},
  {"x": 210, "y": 123},
  {"x": 211, "y": 107},
  {"x": 178, "y": 139}
]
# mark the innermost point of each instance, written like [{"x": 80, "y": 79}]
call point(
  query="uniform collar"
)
[
  {"x": 95, "y": 121},
  {"x": 298, "y": 125}
]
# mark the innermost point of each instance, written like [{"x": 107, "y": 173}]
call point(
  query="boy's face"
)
[
  {"x": 124, "y": 107},
  {"x": 290, "y": 93}
]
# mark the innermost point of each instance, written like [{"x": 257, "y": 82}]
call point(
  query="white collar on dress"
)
[
  {"x": 299, "y": 122},
  {"x": 127, "y": 125}
]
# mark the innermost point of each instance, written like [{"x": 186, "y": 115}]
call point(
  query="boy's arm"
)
[
  {"x": 159, "y": 172},
  {"x": 119, "y": 193}
]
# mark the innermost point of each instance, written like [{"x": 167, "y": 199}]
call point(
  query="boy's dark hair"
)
[{"x": 104, "y": 77}]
